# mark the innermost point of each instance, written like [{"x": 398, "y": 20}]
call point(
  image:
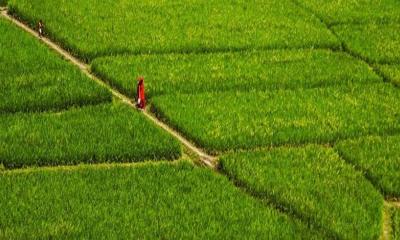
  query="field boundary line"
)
[{"x": 206, "y": 159}]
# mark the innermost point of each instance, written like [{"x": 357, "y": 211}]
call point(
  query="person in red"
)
[{"x": 140, "y": 98}]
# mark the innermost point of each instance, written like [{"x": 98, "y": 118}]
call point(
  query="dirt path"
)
[
  {"x": 206, "y": 159},
  {"x": 394, "y": 203}
]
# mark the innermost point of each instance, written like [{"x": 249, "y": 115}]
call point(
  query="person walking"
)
[
  {"x": 140, "y": 97},
  {"x": 40, "y": 28}
]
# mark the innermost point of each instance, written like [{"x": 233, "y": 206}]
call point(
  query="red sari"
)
[{"x": 141, "y": 100}]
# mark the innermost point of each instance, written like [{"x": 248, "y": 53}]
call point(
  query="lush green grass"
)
[
  {"x": 153, "y": 201},
  {"x": 312, "y": 182},
  {"x": 396, "y": 223},
  {"x": 33, "y": 78},
  {"x": 231, "y": 120},
  {"x": 243, "y": 71},
  {"x": 104, "y": 133},
  {"x": 3, "y": 2},
  {"x": 391, "y": 72},
  {"x": 350, "y": 11},
  {"x": 91, "y": 29},
  {"x": 378, "y": 43},
  {"x": 378, "y": 158}
]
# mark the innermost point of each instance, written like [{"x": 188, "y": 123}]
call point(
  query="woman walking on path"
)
[
  {"x": 40, "y": 28},
  {"x": 140, "y": 97}
]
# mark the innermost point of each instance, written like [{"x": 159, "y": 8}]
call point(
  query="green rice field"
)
[
  {"x": 227, "y": 121},
  {"x": 312, "y": 182},
  {"x": 105, "y": 133},
  {"x": 184, "y": 26},
  {"x": 160, "y": 199},
  {"x": 266, "y": 119}
]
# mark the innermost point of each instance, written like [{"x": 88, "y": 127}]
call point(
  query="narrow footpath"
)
[{"x": 203, "y": 157}]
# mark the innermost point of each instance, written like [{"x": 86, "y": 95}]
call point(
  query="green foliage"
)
[
  {"x": 391, "y": 72},
  {"x": 103, "y": 133},
  {"x": 351, "y": 11},
  {"x": 377, "y": 43},
  {"x": 3, "y": 2},
  {"x": 378, "y": 158},
  {"x": 242, "y": 71},
  {"x": 231, "y": 120},
  {"x": 396, "y": 223},
  {"x": 110, "y": 27},
  {"x": 152, "y": 201},
  {"x": 314, "y": 183},
  {"x": 36, "y": 79}
]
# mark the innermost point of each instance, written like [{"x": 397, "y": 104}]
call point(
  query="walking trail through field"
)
[
  {"x": 395, "y": 203},
  {"x": 205, "y": 159}
]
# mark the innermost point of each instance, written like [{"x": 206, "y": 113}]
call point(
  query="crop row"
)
[
  {"x": 378, "y": 158},
  {"x": 239, "y": 71},
  {"x": 314, "y": 183},
  {"x": 231, "y": 120},
  {"x": 124, "y": 26},
  {"x": 151, "y": 201},
  {"x": 102, "y": 133},
  {"x": 350, "y": 11},
  {"x": 36, "y": 79}
]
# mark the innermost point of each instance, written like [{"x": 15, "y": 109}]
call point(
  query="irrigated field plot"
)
[
  {"x": 351, "y": 11},
  {"x": 379, "y": 158},
  {"x": 104, "y": 133},
  {"x": 314, "y": 183},
  {"x": 159, "y": 201},
  {"x": 373, "y": 42},
  {"x": 108, "y": 27},
  {"x": 230, "y": 120},
  {"x": 241, "y": 71},
  {"x": 32, "y": 78}
]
